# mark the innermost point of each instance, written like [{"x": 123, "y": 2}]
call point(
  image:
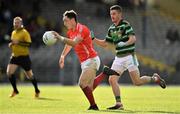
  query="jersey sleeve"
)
[
  {"x": 84, "y": 31},
  {"x": 129, "y": 30},
  {"x": 109, "y": 36},
  {"x": 27, "y": 37},
  {"x": 12, "y": 35}
]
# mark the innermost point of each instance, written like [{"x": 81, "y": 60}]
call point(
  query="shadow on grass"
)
[
  {"x": 40, "y": 98},
  {"x": 49, "y": 99},
  {"x": 131, "y": 111}
]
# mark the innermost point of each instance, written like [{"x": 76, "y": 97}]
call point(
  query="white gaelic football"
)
[{"x": 48, "y": 38}]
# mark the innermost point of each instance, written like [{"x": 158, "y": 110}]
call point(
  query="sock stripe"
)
[{"x": 118, "y": 99}]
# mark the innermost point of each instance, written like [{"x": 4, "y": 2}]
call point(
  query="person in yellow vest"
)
[{"x": 19, "y": 45}]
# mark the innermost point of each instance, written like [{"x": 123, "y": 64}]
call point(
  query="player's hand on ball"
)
[
  {"x": 61, "y": 62},
  {"x": 121, "y": 44},
  {"x": 57, "y": 36}
]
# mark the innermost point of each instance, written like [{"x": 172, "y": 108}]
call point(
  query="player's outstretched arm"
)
[
  {"x": 101, "y": 43},
  {"x": 68, "y": 41}
]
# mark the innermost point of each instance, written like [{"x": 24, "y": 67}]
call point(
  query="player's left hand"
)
[
  {"x": 15, "y": 42},
  {"x": 10, "y": 45},
  {"x": 121, "y": 44},
  {"x": 57, "y": 36}
]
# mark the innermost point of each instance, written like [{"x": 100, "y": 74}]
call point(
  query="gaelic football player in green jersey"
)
[{"x": 121, "y": 35}]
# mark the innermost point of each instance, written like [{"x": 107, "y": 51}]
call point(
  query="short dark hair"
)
[
  {"x": 116, "y": 7},
  {"x": 71, "y": 14}
]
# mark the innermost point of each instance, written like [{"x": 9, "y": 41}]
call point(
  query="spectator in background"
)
[
  {"x": 172, "y": 35},
  {"x": 10, "y": 9},
  {"x": 178, "y": 66}
]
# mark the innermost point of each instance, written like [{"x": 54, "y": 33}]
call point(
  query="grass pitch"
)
[{"x": 56, "y": 99}]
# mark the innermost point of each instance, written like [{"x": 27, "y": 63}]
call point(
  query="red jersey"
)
[{"x": 84, "y": 49}]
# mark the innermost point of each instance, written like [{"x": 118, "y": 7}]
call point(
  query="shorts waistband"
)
[{"x": 124, "y": 55}]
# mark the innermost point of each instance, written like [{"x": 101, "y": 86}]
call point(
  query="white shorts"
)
[
  {"x": 93, "y": 63},
  {"x": 130, "y": 62}
]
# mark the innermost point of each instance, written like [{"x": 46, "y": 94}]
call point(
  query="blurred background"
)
[{"x": 156, "y": 23}]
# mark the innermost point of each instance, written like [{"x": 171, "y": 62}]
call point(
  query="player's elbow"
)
[
  {"x": 104, "y": 45},
  {"x": 73, "y": 44},
  {"x": 133, "y": 39}
]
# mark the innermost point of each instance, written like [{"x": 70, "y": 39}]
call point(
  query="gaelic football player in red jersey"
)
[{"x": 78, "y": 37}]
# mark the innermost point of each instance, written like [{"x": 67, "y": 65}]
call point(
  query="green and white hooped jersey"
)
[{"x": 120, "y": 33}]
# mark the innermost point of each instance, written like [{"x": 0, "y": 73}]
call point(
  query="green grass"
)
[{"x": 57, "y": 99}]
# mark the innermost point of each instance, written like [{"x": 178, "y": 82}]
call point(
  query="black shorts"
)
[{"x": 22, "y": 61}]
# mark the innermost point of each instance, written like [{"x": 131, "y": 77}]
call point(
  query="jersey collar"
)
[{"x": 119, "y": 23}]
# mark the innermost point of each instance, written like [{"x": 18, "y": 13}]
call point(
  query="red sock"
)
[
  {"x": 89, "y": 95},
  {"x": 98, "y": 80}
]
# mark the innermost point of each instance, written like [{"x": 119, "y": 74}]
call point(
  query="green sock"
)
[{"x": 118, "y": 99}]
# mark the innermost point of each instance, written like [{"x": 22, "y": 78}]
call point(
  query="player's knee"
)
[
  {"x": 29, "y": 75},
  {"x": 9, "y": 73},
  {"x": 79, "y": 84},
  {"x": 82, "y": 84},
  {"x": 112, "y": 80}
]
